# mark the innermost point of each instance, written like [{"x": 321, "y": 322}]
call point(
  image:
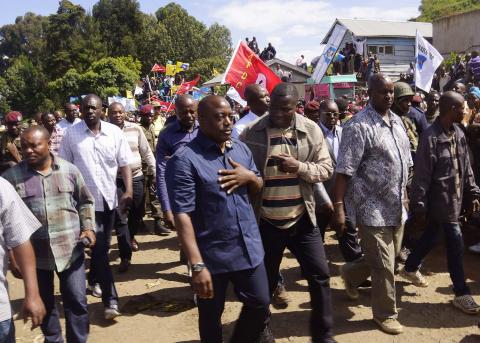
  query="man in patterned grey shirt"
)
[{"x": 372, "y": 173}]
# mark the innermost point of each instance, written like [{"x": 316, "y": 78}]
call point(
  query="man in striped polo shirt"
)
[
  {"x": 292, "y": 155},
  {"x": 127, "y": 224}
]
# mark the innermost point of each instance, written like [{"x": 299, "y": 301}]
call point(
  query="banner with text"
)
[{"x": 329, "y": 52}]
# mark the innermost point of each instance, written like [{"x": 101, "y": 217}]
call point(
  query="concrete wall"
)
[{"x": 459, "y": 33}]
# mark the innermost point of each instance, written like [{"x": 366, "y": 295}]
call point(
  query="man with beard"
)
[{"x": 209, "y": 184}]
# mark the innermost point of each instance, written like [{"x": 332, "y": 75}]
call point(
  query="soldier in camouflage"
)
[{"x": 10, "y": 150}]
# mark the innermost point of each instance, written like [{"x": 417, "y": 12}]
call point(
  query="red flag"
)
[
  {"x": 158, "y": 68},
  {"x": 246, "y": 68},
  {"x": 187, "y": 86}
]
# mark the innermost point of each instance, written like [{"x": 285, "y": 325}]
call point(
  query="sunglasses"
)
[{"x": 331, "y": 114}]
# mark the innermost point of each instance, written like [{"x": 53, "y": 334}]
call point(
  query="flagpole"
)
[
  {"x": 174, "y": 97},
  {"x": 231, "y": 61}
]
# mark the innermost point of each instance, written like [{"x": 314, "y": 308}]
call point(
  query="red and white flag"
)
[
  {"x": 187, "y": 86},
  {"x": 246, "y": 68}
]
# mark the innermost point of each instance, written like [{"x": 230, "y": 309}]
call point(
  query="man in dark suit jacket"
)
[{"x": 348, "y": 241}]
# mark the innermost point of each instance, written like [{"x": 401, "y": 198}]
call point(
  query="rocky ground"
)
[{"x": 157, "y": 302}]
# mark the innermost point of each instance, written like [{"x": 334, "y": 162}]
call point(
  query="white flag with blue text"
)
[{"x": 428, "y": 60}]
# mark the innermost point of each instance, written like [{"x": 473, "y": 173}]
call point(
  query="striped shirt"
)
[
  {"x": 56, "y": 139},
  {"x": 98, "y": 157},
  {"x": 282, "y": 203},
  {"x": 140, "y": 148},
  {"x": 17, "y": 224},
  {"x": 62, "y": 203}
]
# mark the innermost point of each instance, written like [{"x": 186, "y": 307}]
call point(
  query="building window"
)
[{"x": 381, "y": 49}]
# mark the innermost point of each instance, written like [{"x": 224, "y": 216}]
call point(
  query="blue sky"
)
[{"x": 293, "y": 26}]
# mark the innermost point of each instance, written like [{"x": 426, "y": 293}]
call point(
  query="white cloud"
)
[{"x": 296, "y": 27}]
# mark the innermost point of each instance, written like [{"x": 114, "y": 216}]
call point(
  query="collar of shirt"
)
[
  {"x": 178, "y": 128},
  {"x": 54, "y": 166},
  {"x": 207, "y": 144},
  {"x": 104, "y": 129},
  {"x": 329, "y": 132},
  {"x": 379, "y": 118}
]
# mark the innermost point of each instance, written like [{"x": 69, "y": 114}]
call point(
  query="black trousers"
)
[
  {"x": 304, "y": 241},
  {"x": 127, "y": 225},
  {"x": 251, "y": 288},
  {"x": 348, "y": 243}
]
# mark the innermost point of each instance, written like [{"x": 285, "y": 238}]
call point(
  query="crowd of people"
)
[{"x": 239, "y": 186}]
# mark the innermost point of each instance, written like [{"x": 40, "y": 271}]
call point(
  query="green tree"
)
[
  {"x": 431, "y": 10},
  {"x": 205, "y": 67},
  {"x": 106, "y": 77},
  {"x": 186, "y": 33},
  {"x": 25, "y": 37},
  {"x": 24, "y": 87},
  {"x": 73, "y": 40},
  {"x": 121, "y": 22}
]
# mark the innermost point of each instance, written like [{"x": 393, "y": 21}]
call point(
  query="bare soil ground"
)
[{"x": 157, "y": 305}]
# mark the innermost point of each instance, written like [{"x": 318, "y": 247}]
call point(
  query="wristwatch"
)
[{"x": 198, "y": 267}]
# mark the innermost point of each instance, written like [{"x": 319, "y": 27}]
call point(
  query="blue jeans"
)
[
  {"x": 455, "y": 246},
  {"x": 7, "y": 331},
  {"x": 74, "y": 298},
  {"x": 100, "y": 270},
  {"x": 251, "y": 287}
]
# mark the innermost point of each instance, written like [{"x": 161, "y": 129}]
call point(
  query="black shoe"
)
[
  {"x": 183, "y": 258},
  {"x": 365, "y": 284},
  {"x": 123, "y": 266},
  {"x": 160, "y": 229}
]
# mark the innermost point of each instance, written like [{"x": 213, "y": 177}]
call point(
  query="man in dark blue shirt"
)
[{"x": 209, "y": 183}]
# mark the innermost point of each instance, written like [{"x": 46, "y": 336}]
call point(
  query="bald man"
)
[
  {"x": 175, "y": 136},
  {"x": 209, "y": 184},
  {"x": 99, "y": 150},
  {"x": 257, "y": 100},
  {"x": 370, "y": 187},
  {"x": 442, "y": 181}
]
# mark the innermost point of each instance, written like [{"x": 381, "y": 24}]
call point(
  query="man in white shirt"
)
[
  {"x": 301, "y": 62},
  {"x": 99, "y": 149},
  {"x": 257, "y": 100},
  {"x": 71, "y": 116}
]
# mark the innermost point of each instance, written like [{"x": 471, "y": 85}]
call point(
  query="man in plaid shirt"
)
[{"x": 54, "y": 190}]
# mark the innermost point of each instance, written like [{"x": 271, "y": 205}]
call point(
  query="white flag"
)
[
  {"x": 329, "y": 52},
  {"x": 428, "y": 60}
]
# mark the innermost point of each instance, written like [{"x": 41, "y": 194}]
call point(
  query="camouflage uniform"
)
[
  {"x": 150, "y": 190},
  {"x": 7, "y": 155}
]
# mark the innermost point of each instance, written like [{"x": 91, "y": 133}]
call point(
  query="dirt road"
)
[{"x": 157, "y": 303}]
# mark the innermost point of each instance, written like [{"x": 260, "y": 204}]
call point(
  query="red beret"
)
[
  {"x": 312, "y": 106},
  {"x": 13, "y": 117},
  {"x": 146, "y": 109}
]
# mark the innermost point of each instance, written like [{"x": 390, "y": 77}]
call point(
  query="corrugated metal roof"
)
[{"x": 381, "y": 28}]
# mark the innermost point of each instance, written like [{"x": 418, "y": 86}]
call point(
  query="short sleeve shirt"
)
[
  {"x": 17, "y": 224},
  {"x": 225, "y": 226},
  {"x": 377, "y": 157},
  {"x": 98, "y": 158}
]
